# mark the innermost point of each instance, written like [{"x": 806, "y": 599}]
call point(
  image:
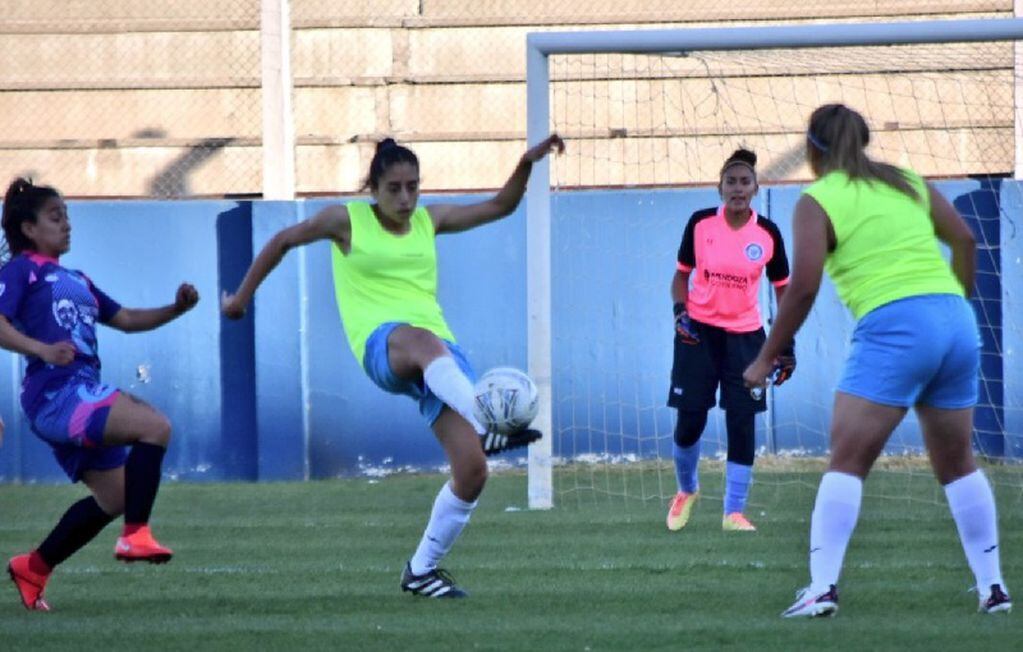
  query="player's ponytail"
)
[
  {"x": 388, "y": 153},
  {"x": 838, "y": 137},
  {"x": 22, "y": 202}
]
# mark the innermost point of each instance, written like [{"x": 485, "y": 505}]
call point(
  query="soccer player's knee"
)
[
  {"x": 158, "y": 431},
  {"x": 689, "y": 427}
]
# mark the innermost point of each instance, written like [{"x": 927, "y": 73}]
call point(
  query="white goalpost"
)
[{"x": 649, "y": 116}]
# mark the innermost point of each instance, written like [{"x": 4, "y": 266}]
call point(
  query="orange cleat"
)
[
  {"x": 30, "y": 584},
  {"x": 736, "y": 522},
  {"x": 141, "y": 546},
  {"x": 681, "y": 508}
]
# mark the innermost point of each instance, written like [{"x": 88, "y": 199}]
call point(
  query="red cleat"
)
[
  {"x": 30, "y": 584},
  {"x": 141, "y": 546}
]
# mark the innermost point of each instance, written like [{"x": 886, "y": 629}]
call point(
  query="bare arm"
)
[
  {"x": 811, "y": 235},
  {"x": 451, "y": 218},
  {"x": 331, "y": 223},
  {"x": 680, "y": 287},
  {"x": 133, "y": 320},
  {"x": 58, "y": 353},
  {"x": 952, "y": 229}
]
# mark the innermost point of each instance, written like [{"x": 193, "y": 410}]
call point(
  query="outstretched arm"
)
[
  {"x": 330, "y": 223},
  {"x": 811, "y": 234},
  {"x": 451, "y": 218},
  {"x": 133, "y": 320}
]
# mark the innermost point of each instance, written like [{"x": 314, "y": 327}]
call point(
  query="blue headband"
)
[{"x": 816, "y": 141}]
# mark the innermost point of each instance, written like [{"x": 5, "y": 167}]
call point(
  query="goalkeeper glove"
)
[
  {"x": 785, "y": 364},
  {"x": 684, "y": 326}
]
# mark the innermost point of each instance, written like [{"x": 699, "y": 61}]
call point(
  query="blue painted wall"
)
[{"x": 278, "y": 395}]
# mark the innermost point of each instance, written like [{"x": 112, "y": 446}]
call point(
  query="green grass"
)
[{"x": 316, "y": 565}]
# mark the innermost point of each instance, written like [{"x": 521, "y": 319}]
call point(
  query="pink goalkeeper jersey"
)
[{"x": 729, "y": 263}]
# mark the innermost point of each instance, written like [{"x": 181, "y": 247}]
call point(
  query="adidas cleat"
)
[
  {"x": 995, "y": 600},
  {"x": 30, "y": 584},
  {"x": 434, "y": 584},
  {"x": 813, "y": 604},
  {"x": 737, "y": 522},
  {"x": 141, "y": 546},
  {"x": 494, "y": 443},
  {"x": 680, "y": 510}
]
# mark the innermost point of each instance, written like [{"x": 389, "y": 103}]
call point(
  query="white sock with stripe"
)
[
  {"x": 447, "y": 380},
  {"x": 834, "y": 518},
  {"x": 973, "y": 507},
  {"x": 447, "y": 520}
]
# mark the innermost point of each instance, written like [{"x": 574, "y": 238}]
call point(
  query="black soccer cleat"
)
[
  {"x": 434, "y": 584},
  {"x": 494, "y": 443},
  {"x": 996, "y": 600}
]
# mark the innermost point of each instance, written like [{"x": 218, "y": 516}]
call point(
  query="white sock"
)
[
  {"x": 834, "y": 519},
  {"x": 447, "y": 520},
  {"x": 973, "y": 508},
  {"x": 447, "y": 380}
]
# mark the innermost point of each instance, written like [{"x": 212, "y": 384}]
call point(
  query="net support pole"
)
[
  {"x": 1017, "y": 92},
  {"x": 278, "y": 126},
  {"x": 540, "y": 489}
]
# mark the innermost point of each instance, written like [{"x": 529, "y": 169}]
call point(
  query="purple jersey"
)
[{"x": 51, "y": 304}]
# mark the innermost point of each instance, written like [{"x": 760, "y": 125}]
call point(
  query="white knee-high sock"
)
[
  {"x": 447, "y": 380},
  {"x": 447, "y": 520},
  {"x": 973, "y": 507},
  {"x": 834, "y": 518}
]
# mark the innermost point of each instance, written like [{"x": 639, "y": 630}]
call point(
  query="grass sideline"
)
[{"x": 315, "y": 566}]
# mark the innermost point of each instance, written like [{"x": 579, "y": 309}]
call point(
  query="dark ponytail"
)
[
  {"x": 840, "y": 136},
  {"x": 388, "y": 153},
  {"x": 21, "y": 204}
]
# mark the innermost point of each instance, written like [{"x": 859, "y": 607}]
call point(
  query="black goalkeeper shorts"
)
[{"x": 719, "y": 358}]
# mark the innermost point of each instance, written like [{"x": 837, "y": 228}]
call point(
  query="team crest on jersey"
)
[{"x": 754, "y": 251}]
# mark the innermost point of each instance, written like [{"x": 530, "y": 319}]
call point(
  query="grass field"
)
[{"x": 315, "y": 566}]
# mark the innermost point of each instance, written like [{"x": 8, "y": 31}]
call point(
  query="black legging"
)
[{"x": 741, "y": 439}]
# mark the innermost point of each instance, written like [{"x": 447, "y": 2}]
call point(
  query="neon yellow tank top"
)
[
  {"x": 886, "y": 246},
  {"x": 387, "y": 277}
]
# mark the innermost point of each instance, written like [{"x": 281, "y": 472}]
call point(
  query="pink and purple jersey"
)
[
  {"x": 728, "y": 264},
  {"x": 51, "y": 304}
]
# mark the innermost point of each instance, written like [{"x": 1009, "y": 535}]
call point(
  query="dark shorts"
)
[
  {"x": 719, "y": 358},
  {"x": 71, "y": 419}
]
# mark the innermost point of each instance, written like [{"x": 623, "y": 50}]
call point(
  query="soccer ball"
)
[{"x": 506, "y": 400}]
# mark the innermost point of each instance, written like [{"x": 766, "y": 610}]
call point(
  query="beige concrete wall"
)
[{"x": 90, "y": 85}]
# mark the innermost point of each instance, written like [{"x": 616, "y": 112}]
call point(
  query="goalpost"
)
[{"x": 649, "y": 116}]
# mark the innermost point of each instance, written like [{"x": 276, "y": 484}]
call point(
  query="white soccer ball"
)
[{"x": 506, "y": 400}]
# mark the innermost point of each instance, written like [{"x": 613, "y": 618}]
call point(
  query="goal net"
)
[{"x": 649, "y": 118}]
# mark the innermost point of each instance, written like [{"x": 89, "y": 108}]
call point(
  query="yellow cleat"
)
[
  {"x": 736, "y": 522},
  {"x": 681, "y": 508}
]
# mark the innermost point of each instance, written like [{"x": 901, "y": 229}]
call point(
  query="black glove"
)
[
  {"x": 785, "y": 364},
  {"x": 684, "y": 326}
]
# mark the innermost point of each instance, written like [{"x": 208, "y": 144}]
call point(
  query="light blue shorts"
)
[
  {"x": 378, "y": 368},
  {"x": 918, "y": 350}
]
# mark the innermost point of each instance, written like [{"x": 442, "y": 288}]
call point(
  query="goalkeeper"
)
[
  {"x": 875, "y": 228},
  {"x": 718, "y": 332},
  {"x": 385, "y": 278}
]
